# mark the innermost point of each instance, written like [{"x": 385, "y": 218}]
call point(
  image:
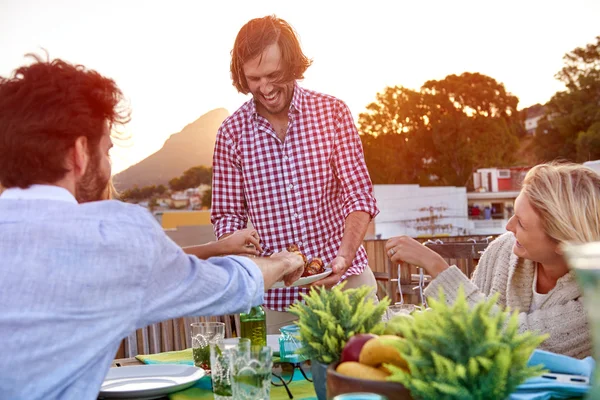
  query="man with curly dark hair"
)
[
  {"x": 291, "y": 160},
  {"x": 79, "y": 275}
]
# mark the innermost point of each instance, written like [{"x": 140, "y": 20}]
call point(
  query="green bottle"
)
[{"x": 254, "y": 327}]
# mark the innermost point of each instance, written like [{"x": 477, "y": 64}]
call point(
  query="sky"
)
[{"x": 171, "y": 58}]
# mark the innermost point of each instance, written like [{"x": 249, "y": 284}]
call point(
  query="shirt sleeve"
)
[
  {"x": 350, "y": 167},
  {"x": 228, "y": 210},
  {"x": 183, "y": 285}
]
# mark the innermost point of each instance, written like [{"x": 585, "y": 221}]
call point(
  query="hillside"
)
[{"x": 191, "y": 147}]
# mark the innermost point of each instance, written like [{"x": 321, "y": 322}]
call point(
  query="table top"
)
[{"x": 300, "y": 388}]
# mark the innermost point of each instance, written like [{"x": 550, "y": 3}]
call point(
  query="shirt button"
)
[
  {"x": 291, "y": 186},
  {"x": 285, "y": 158},
  {"x": 295, "y": 215}
]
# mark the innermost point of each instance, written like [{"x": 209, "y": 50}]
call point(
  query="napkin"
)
[
  {"x": 169, "y": 357},
  {"x": 544, "y": 388}
]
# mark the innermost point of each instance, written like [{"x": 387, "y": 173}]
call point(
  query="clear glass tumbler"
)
[
  {"x": 203, "y": 335},
  {"x": 584, "y": 260},
  {"x": 251, "y": 373},
  {"x": 220, "y": 362}
]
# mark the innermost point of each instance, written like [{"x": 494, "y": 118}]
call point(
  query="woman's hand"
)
[
  {"x": 243, "y": 242},
  {"x": 406, "y": 249}
]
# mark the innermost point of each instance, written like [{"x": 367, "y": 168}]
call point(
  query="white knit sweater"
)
[{"x": 561, "y": 315}]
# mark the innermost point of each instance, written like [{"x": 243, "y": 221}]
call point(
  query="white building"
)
[
  {"x": 532, "y": 118},
  {"x": 420, "y": 211}
]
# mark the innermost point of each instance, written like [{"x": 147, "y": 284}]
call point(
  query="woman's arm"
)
[{"x": 242, "y": 242}]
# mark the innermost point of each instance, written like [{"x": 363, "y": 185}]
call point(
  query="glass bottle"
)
[{"x": 254, "y": 327}]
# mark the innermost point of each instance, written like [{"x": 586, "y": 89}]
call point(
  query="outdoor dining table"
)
[{"x": 300, "y": 388}]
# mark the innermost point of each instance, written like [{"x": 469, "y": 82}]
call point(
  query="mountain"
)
[{"x": 191, "y": 147}]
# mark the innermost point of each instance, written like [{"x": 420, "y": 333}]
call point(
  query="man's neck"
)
[
  {"x": 65, "y": 183},
  {"x": 279, "y": 121}
]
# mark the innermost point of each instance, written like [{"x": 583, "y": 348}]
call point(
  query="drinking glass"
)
[
  {"x": 584, "y": 260},
  {"x": 220, "y": 362},
  {"x": 251, "y": 373},
  {"x": 203, "y": 335}
]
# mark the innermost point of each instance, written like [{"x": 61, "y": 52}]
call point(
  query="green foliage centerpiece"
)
[
  {"x": 328, "y": 318},
  {"x": 459, "y": 352}
]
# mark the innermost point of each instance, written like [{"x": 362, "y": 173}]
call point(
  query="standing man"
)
[{"x": 291, "y": 161}]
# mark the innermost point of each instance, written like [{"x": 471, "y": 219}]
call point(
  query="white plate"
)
[
  {"x": 272, "y": 342},
  {"x": 148, "y": 381},
  {"x": 304, "y": 281}
]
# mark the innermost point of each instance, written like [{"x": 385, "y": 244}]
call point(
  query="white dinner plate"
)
[
  {"x": 272, "y": 342},
  {"x": 148, "y": 381},
  {"x": 307, "y": 280}
]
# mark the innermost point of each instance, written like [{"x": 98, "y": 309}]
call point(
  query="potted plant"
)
[
  {"x": 457, "y": 352},
  {"x": 328, "y": 318}
]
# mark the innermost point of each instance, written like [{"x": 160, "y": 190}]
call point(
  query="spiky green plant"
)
[
  {"x": 459, "y": 352},
  {"x": 328, "y": 318}
]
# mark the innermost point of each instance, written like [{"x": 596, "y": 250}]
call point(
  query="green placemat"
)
[{"x": 301, "y": 389}]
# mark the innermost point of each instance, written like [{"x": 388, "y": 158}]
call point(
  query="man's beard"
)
[{"x": 92, "y": 185}]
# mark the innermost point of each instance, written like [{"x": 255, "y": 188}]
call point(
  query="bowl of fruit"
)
[{"x": 362, "y": 367}]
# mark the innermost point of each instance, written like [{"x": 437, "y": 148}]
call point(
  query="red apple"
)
[{"x": 354, "y": 346}]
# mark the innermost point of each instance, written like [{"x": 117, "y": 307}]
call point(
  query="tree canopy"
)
[
  {"x": 440, "y": 133},
  {"x": 570, "y": 128},
  {"x": 192, "y": 177}
]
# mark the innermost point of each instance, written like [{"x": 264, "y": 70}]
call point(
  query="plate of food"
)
[{"x": 314, "y": 270}]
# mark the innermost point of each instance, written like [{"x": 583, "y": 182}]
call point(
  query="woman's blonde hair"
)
[
  {"x": 567, "y": 198},
  {"x": 110, "y": 192}
]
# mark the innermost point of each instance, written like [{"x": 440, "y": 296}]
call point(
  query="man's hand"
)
[
  {"x": 339, "y": 266},
  {"x": 406, "y": 249},
  {"x": 293, "y": 264},
  {"x": 284, "y": 266}
]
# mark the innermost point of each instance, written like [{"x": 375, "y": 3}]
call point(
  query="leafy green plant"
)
[
  {"x": 459, "y": 352},
  {"x": 329, "y": 317}
]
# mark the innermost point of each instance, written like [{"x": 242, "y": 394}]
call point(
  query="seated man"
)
[{"x": 78, "y": 278}]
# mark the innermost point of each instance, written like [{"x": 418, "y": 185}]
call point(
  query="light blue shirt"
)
[{"x": 76, "y": 279}]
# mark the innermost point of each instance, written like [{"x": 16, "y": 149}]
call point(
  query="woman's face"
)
[{"x": 532, "y": 241}]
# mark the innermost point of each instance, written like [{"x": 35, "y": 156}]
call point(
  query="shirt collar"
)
[
  {"x": 295, "y": 104},
  {"x": 297, "y": 98},
  {"x": 39, "y": 192}
]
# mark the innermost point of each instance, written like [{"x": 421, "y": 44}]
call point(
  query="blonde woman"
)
[{"x": 558, "y": 203}]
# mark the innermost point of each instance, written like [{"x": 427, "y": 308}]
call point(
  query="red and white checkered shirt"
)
[{"x": 297, "y": 191}]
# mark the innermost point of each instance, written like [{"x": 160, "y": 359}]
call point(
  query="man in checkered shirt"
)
[{"x": 291, "y": 161}]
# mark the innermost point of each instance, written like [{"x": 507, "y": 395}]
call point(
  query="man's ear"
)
[{"x": 81, "y": 156}]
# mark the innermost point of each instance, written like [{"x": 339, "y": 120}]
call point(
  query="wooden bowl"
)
[{"x": 340, "y": 384}]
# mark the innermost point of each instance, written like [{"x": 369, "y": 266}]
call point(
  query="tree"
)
[
  {"x": 569, "y": 129},
  {"x": 192, "y": 177},
  {"x": 152, "y": 204},
  {"x": 588, "y": 143},
  {"x": 161, "y": 189},
  {"x": 207, "y": 198},
  {"x": 439, "y": 134}
]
